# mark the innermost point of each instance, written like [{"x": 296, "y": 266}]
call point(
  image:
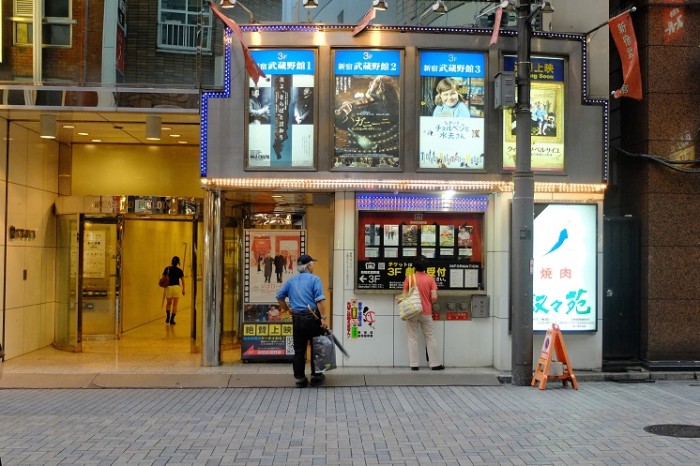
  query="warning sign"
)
[{"x": 553, "y": 350}]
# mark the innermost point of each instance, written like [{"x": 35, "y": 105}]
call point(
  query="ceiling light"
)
[
  {"x": 47, "y": 126},
  {"x": 68, "y": 126},
  {"x": 310, "y": 3},
  {"x": 153, "y": 127},
  {"x": 380, "y": 5},
  {"x": 227, "y": 3},
  {"x": 83, "y": 133},
  {"x": 174, "y": 135}
]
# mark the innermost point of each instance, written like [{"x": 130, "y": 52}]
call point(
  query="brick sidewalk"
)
[{"x": 600, "y": 424}]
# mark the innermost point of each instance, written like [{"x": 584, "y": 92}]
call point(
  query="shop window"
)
[
  {"x": 179, "y": 25},
  {"x": 56, "y": 27}
]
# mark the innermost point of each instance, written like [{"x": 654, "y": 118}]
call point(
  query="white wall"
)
[
  {"x": 483, "y": 342},
  {"x": 31, "y": 182}
]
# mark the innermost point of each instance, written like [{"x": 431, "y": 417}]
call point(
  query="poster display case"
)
[
  {"x": 389, "y": 242},
  {"x": 270, "y": 258}
]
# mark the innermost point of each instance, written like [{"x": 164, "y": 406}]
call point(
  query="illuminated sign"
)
[{"x": 565, "y": 270}]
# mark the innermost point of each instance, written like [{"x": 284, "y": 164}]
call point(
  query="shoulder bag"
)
[
  {"x": 409, "y": 302},
  {"x": 164, "y": 281}
]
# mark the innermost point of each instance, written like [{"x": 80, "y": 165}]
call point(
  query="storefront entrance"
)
[{"x": 109, "y": 267}]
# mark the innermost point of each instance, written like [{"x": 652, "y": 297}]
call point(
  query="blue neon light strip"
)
[
  {"x": 423, "y": 203},
  {"x": 204, "y": 106}
]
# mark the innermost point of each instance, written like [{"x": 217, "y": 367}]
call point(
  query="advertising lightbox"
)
[{"x": 564, "y": 288}]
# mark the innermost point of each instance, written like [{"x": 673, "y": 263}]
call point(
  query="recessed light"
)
[
  {"x": 175, "y": 135},
  {"x": 96, "y": 140},
  {"x": 83, "y": 133},
  {"x": 68, "y": 126},
  {"x": 182, "y": 142}
]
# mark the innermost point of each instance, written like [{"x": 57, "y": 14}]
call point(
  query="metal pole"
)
[
  {"x": 212, "y": 297},
  {"x": 523, "y": 212}
]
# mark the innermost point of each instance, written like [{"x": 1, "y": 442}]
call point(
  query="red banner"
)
[
  {"x": 623, "y": 34},
  {"x": 251, "y": 65},
  {"x": 496, "y": 25}
]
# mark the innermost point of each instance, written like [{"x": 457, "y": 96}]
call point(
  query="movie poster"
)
[
  {"x": 546, "y": 116},
  {"x": 452, "y": 110},
  {"x": 367, "y": 109},
  {"x": 281, "y": 110},
  {"x": 270, "y": 259}
]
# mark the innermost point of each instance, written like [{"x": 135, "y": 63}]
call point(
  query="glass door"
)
[
  {"x": 67, "y": 332},
  {"x": 99, "y": 274}
]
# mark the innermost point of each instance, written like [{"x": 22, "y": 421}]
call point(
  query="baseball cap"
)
[{"x": 304, "y": 259}]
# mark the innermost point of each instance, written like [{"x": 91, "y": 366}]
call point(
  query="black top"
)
[{"x": 174, "y": 275}]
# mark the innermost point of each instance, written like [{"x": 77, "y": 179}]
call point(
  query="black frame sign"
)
[
  {"x": 281, "y": 111},
  {"x": 390, "y": 242},
  {"x": 367, "y": 109}
]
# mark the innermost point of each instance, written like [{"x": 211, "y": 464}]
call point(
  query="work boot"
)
[{"x": 167, "y": 317}]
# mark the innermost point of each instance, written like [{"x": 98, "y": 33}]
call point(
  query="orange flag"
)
[
  {"x": 623, "y": 34},
  {"x": 251, "y": 65}
]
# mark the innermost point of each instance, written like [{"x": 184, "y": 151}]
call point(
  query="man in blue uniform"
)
[{"x": 308, "y": 307}]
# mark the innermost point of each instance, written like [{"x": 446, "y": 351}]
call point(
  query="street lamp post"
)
[{"x": 523, "y": 212}]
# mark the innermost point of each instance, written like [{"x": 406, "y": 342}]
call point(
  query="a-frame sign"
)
[{"x": 553, "y": 343}]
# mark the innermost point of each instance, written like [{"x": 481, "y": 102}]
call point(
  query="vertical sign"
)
[
  {"x": 367, "y": 109},
  {"x": 452, "y": 110},
  {"x": 546, "y": 115},
  {"x": 281, "y": 110},
  {"x": 564, "y": 275},
  {"x": 121, "y": 36}
]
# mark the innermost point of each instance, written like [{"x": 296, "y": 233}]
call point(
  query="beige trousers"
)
[{"x": 425, "y": 322}]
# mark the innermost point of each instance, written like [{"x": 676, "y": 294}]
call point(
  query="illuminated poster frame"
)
[
  {"x": 565, "y": 267},
  {"x": 388, "y": 244},
  {"x": 269, "y": 259},
  {"x": 282, "y": 111},
  {"x": 547, "y": 110},
  {"x": 452, "y": 102},
  {"x": 367, "y": 110}
]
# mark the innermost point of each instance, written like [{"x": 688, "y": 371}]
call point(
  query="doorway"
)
[
  {"x": 108, "y": 269},
  {"x": 621, "y": 320}
]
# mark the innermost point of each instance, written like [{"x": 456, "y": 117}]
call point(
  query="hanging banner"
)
[
  {"x": 546, "y": 115},
  {"x": 626, "y": 42},
  {"x": 367, "y": 109},
  {"x": 452, "y": 110},
  {"x": 281, "y": 111}
]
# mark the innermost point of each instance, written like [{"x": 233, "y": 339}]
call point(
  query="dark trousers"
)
[{"x": 306, "y": 326}]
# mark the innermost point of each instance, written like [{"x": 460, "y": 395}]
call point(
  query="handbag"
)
[
  {"x": 324, "y": 353},
  {"x": 164, "y": 282},
  {"x": 409, "y": 302}
]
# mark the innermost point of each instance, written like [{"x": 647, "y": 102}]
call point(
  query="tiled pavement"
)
[{"x": 602, "y": 423}]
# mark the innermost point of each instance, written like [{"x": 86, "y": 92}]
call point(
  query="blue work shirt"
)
[{"x": 303, "y": 290}]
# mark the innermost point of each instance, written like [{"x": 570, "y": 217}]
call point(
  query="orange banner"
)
[
  {"x": 623, "y": 34},
  {"x": 251, "y": 65}
]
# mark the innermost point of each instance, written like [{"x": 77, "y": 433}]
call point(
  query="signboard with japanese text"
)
[
  {"x": 546, "y": 115},
  {"x": 367, "y": 109},
  {"x": 281, "y": 111},
  {"x": 389, "y": 243},
  {"x": 452, "y": 110},
  {"x": 565, "y": 267},
  {"x": 270, "y": 258}
]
